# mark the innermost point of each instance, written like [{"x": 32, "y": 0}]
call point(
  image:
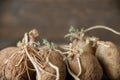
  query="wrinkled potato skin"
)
[{"x": 10, "y": 70}]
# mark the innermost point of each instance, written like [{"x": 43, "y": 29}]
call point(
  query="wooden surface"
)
[{"x": 53, "y": 18}]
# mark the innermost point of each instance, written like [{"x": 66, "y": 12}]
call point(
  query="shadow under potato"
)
[{"x": 69, "y": 77}]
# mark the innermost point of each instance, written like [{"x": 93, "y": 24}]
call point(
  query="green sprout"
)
[
  {"x": 72, "y": 29},
  {"x": 75, "y": 33},
  {"x": 81, "y": 50},
  {"x": 50, "y": 45}
]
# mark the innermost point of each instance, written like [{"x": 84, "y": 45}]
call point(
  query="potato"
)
[
  {"x": 109, "y": 57},
  {"x": 80, "y": 60},
  {"x": 56, "y": 59},
  {"x": 10, "y": 68},
  {"x": 91, "y": 69},
  {"x": 51, "y": 62},
  {"x": 18, "y": 63}
]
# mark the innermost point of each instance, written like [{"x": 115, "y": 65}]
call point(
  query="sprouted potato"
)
[
  {"x": 51, "y": 62},
  {"x": 15, "y": 63},
  {"x": 108, "y": 54},
  {"x": 80, "y": 60},
  {"x": 109, "y": 57}
]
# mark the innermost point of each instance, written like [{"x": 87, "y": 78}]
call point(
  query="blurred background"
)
[{"x": 52, "y": 18}]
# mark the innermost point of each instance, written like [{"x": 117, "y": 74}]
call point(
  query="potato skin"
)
[
  {"x": 4, "y": 55},
  {"x": 10, "y": 70},
  {"x": 82, "y": 44},
  {"x": 91, "y": 69},
  {"x": 109, "y": 58},
  {"x": 57, "y": 60}
]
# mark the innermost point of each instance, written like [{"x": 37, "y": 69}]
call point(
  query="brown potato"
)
[
  {"x": 19, "y": 62},
  {"x": 109, "y": 57},
  {"x": 57, "y": 60},
  {"x": 9, "y": 70},
  {"x": 91, "y": 69},
  {"x": 80, "y": 60}
]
